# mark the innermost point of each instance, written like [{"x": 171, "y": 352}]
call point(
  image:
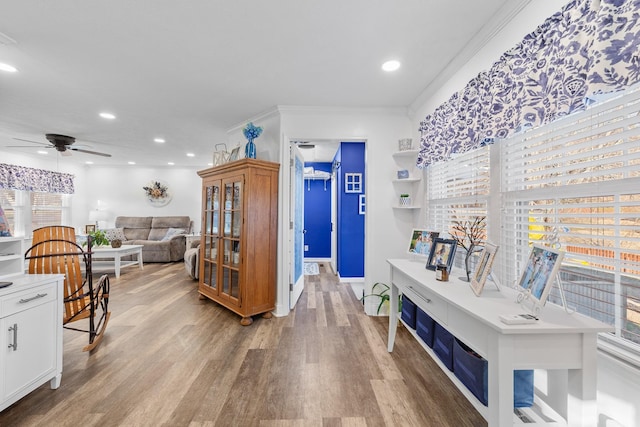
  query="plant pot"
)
[{"x": 116, "y": 243}]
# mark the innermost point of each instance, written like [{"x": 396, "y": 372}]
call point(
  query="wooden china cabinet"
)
[{"x": 239, "y": 236}]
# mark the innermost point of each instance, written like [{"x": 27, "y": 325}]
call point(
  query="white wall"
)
[
  {"x": 120, "y": 192},
  {"x": 618, "y": 384},
  {"x": 119, "y": 189}
]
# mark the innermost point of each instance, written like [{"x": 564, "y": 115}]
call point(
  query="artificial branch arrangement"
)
[{"x": 469, "y": 234}]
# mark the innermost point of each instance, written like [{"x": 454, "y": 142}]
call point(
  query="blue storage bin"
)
[
  {"x": 471, "y": 369},
  {"x": 443, "y": 345},
  {"x": 408, "y": 312},
  {"x": 424, "y": 327}
]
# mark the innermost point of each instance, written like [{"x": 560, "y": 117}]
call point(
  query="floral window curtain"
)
[
  {"x": 29, "y": 179},
  {"x": 573, "y": 57}
]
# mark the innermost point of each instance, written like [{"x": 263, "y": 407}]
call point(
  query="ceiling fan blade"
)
[
  {"x": 28, "y": 140},
  {"x": 27, "y": 146},
  {"x": 89, "y": 152}
]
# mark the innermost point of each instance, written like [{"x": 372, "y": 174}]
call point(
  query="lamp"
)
[{"x": 97, "y": 216}]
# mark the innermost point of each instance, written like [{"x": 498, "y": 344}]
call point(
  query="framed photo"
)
[
  {"x": 421, "y": 242},
  {"x": 235, "y": 154},
  {"x": 443, "y": 251},
  {"x": 538, "y": 275},
  {"x": 483, "y": 268},
  {"x": 89, "y": 228}
]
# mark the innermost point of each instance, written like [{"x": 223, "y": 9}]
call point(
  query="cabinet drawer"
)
[
  {"x": 429, "y": 302},
  {"x": 23, "y": 300}
]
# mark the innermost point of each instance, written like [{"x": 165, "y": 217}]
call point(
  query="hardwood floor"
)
[{"x": 171, "y": 359}]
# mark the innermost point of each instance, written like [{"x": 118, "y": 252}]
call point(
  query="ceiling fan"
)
[{"x": 61, "y": 143}]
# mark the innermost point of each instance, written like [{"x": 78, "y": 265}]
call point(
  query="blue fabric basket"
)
[
  {"x": 471, "y": 369},
  {"x": 424, "y": 327},
  {"x": 443, "y": 345},
  {"x": 408, "y": 312}
]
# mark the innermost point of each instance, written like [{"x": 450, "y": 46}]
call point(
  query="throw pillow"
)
[
  {"x": 172, "y": 232},
  {"x": 115, "y": 234}
]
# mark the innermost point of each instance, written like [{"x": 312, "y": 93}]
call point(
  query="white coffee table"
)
[{"x": 116, "y": 254}]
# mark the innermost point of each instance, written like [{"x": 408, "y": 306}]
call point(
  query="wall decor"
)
[
  {"x": 157, "y": 193},
  {"x": 353, "y": 183}
]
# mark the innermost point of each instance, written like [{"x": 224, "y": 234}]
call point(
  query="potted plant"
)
[
  {"x": 98, "y": 238},
  {"x": 383, "y": 295},
  {"x": 405, "y": 200}
]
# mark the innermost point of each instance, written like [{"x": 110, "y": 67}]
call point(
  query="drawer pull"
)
[
  {"x": 14, "y": 345},
  {"x": 427, "y": 300},
  {"x": 25, "y": 300}
]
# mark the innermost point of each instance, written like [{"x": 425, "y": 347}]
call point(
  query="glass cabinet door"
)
[
  {"x": 211, "y": 218},
  {"x": 231, "y": 238}
]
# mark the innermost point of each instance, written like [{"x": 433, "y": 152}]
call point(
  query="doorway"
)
[{"x": 330, "y": 169}]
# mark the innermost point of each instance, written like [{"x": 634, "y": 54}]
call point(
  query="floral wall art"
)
[
  {"x": 157, "y": 193},
  {"x": 586, "y": 50}
]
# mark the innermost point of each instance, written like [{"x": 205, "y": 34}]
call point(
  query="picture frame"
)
[
  {"x": 89, "y": 228},
  {"x": 538, "y": 276},
  {"x": 483, "y": 268},
  {"x": 443, "y": 251},
  {"x": 235, "y": 154},
  {"x": 421, "y": 242}
]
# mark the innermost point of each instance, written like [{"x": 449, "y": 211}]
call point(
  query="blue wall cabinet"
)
[{"x": 317, "y": 212}]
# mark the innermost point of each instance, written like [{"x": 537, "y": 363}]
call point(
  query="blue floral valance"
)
[
  {"x": 22, "y": 178},
  {"x": 561, "y": 67}
]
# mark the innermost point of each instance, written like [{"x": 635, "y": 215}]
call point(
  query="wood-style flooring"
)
[{"x": 172, "y": 359}]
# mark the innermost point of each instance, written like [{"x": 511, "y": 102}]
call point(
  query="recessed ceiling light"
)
[
  {"x": 190, "y": 155},
  {"x": 392, "y": 65},
  {"x": 42, "y": 152},
  {"x": 159, "y": 140},
  {"x": 171, "y": 163},
  {"x": 131, "y": 163},
  {"x": 8, "y": 68},
  {"x": 209, "y": 164},
  {"x": 88, "y": 162},
  {"x": 107, "y": 116}
]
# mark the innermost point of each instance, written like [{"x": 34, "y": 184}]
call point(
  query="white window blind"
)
[
  {"x": 46, "y": 209},
  {"x": 457, "y": 190},
  {"x": 576, "y": 184}
]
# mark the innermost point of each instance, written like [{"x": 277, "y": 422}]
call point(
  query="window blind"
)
[
  {"x": 575, "y": 184},
  {"x": 457, "y": 190}
]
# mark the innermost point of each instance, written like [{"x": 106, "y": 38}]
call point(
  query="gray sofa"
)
[{"x": 162, "y": 237}]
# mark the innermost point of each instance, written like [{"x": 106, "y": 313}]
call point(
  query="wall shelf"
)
[
  {"x": 407, "y": 180},
  {"x": 406, "y": 207},
  {"x": 407, "y": 153}
]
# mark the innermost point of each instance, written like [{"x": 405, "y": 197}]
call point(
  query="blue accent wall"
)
[
  {"x": 350, "y": 257},
  {"x": 317, "y": 214}
]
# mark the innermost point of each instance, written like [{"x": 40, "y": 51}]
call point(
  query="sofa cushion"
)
[
  {"x": 115, "y": 234},
  {"x": 135, "y": 227},
  {"x": 172, "y": 232}
]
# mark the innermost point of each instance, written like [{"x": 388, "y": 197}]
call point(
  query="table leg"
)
[
  {"x": 139, "y": 252},
  {"x": 393, "y": 317},
  {"x": 500, "y": 380},
  {"x": 582, "y": 409},
  {"x": 116, "y": 261}
]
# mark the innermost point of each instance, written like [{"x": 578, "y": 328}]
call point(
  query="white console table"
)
[
  {"x": 30, "y": 335},
  {"x": 557, "y": 341}
]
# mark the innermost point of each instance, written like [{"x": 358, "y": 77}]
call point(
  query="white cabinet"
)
[
  {"x": 406, "y": 160},
  {"x": 31, "y": 335},
  {"x": 11, "y": 256}
]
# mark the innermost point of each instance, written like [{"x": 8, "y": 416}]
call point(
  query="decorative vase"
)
[
  {"x": 116, "y": 243},
  {"x": 250, "y": 150}
]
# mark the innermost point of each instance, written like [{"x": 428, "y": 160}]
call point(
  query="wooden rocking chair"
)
[{"x": 55, "y": 251}]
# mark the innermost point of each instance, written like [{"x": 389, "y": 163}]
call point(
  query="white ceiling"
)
[{"x": 190, "y": 71}]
